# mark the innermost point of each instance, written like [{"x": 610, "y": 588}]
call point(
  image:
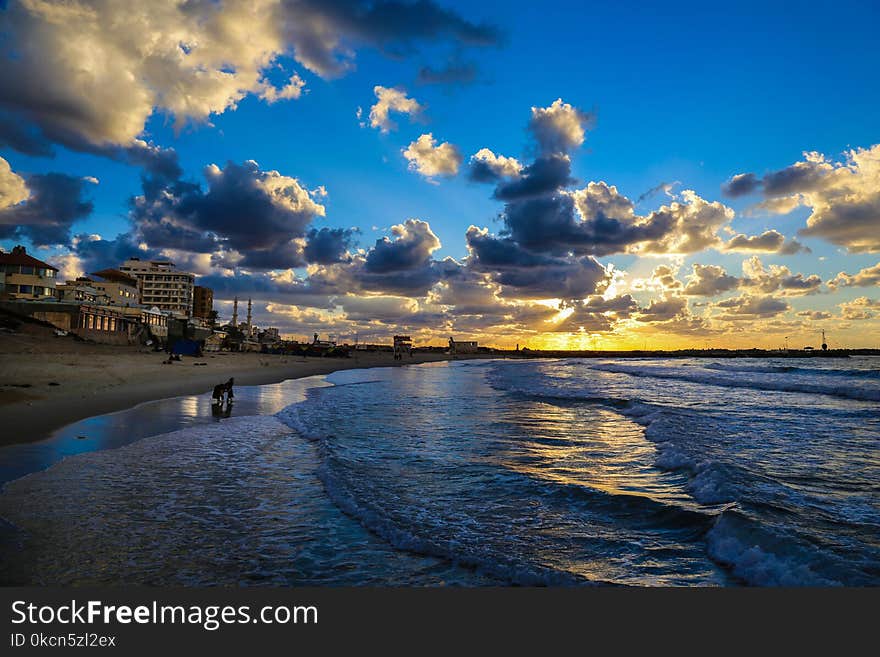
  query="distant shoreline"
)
[
  {"x": 50, "y": 383},
  {"x": 61, "y": 393}
]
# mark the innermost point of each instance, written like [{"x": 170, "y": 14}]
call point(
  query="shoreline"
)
[{"x": 67, "y": 395}]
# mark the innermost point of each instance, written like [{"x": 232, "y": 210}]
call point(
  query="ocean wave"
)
[
  {"x": 844, "y": 390},
  {"x": 793, "y": 369},
  {"x": 759, "y": 557},
  {"x": 456, "y": 550}
]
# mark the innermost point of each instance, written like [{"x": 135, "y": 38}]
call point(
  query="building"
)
[
  {"x": 99, "y": 323},
  {"x": 203, "y": 302},
  {"x": 463, "y": 346},
  {"x": 25, "y": 277},
  {"x": 120, "y": 288},
  {"x": 82, "y": 290},
  {"x": 402, "y": 345},
  {"x": 160, "y": 284}
]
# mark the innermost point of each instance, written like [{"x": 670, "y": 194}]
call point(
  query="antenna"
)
[{"x": 824, "y": 344}]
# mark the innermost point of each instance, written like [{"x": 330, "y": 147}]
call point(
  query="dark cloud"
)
[
  {"x": 328, "y": 245},
  {"x": 315, "y": 292},
  {"x": 741, "y": 184},
  {"x": 751, "y": 306},
  {"x": 452, "y": 73},
  {"x": 410, "y": 249},
  {"x": 262, "y": 215},
  {"x": 96, "y": 253},
  {"x": 549, "y": 225},
  {"x": 544, "y": 176},
  {"x": 56, "y": 202}
]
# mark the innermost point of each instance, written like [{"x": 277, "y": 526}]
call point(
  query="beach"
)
[
  {"x": 50, "y": 382},
  {"x": 658, "y": 472}
]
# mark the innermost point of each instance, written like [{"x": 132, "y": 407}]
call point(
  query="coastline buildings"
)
[
  {"x": 24, "y": 277},
  {"x": 120, "y": 288},
  {"x": 463, "y": 346},
  {"x": 203, "y": 302},
  {"x": 160, "y": 284}
]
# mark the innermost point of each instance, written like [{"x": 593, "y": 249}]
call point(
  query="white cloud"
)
[
  {"x": 13, "y": 189},
  {"x": 429, "y": 159},
  {"x": 498, "y": 164},
  {"x": 391, "y": 100},
  {"x": 559, "y": 127}
]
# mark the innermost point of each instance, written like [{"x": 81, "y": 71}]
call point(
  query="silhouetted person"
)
[{"x": 229, "y": 393}]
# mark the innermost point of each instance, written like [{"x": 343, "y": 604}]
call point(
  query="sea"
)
[{"x": 568, "y": 472}]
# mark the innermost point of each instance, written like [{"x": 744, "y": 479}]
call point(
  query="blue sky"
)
[{"x": 692, "y": 93}]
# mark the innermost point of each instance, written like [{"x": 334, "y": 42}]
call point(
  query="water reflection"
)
[{"x": 149, "y": 419}]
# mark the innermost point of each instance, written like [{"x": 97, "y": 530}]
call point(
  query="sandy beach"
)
[{"x": 50, "y": 382}]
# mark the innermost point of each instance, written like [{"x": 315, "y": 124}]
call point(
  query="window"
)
[
  {"x": 91, "y": 322},
  {"x": 26, "y": 269},
  {"x": 12, "y": 289},
  {"x": 26, "y": 289}
]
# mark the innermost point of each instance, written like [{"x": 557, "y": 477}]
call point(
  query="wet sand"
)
[{"x": 50, "y": 383}]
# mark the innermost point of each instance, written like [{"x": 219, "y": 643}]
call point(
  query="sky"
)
[{"x": 567, "y": 175}]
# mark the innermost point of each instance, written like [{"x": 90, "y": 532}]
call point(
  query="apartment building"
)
[
  {"x": 162, "y": 285},
  {"x": 25, "y": 277},
  {"x": 203, "y": 302}
]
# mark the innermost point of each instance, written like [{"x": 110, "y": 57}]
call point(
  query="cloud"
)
[
  {"x": 328, "y": 245},
  {"x": 709, "y": 281},
  {"x": 485, "y": 166},
  {"x": 559, "y": 128},
  {"x": 412, "y": 246},
  {"x": 860, "y": 308},
  {"x": 844, "y": 197},
  {"x": 748, "y": 306},
  {"x": 389, "y": 309},
  {"x": 815, "y": 315},
  {"x": 453, "y": 73},
  {"x": 867, "y": 277},
  {"x": 90, "y": 74},
  {"x": 544, "y": 176},
  {"x": 13, "y": 189},
  {"x": 392, "y": 100},
  {"x": 597, "y": 314},
  {"x": 258, "y": 219},
  {"x": 664, "y": 310},
  {"x": 54, "y": 202},
  {"x": 429, "y": 159},
  {"x": 775, "y": 278},
  {"x": 770, "y": 241},
  {"x": 741, "y": 184},
  {"x": 690, "y": 225},
  {"x": 524, "y": 274}
]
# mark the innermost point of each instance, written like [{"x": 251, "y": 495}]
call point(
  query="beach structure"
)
[
  {"x": 462, "y": 346},
  {"x": 203, "y": 302},
  {"x": 24, "y": 277},
  {"x": 99, "y": 323},
  {"x": 402, "y": 345},
  {"x": 161, "y": 284},
  {"x": 81, "y": 290}
]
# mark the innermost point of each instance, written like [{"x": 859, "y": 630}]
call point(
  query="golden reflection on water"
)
[{"x": 594, "y": 448}]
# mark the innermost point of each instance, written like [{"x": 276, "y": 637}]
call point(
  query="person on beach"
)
[
  {"x": 229, "y": 393},
  {"x": 217, "y": 396}
]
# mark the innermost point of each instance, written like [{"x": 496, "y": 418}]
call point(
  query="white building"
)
[{"x": 160, "y": 284}]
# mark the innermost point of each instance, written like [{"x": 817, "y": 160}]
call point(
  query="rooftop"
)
[
  {"x": 19, "y": 256},
  {"x": 116, "y": 276}
]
